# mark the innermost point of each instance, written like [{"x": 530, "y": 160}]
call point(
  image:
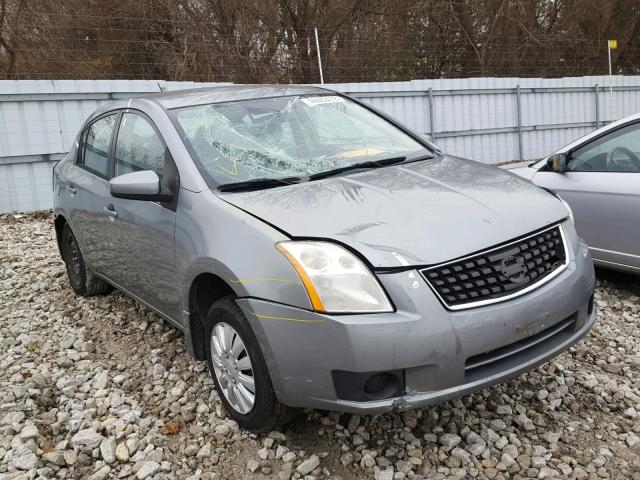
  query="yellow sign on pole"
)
[{"x": 613, "y": 44}]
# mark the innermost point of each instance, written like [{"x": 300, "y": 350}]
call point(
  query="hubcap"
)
[{"x": 232, "y": 367}]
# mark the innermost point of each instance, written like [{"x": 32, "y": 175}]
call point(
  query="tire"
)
[
  {"x": 266, "y": 413},
  {"x": 82, "y": 280}
]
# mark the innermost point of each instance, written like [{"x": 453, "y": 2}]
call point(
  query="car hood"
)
[
  {"x": 419, "y": 213},
  {"x": 521, "y": 168}
]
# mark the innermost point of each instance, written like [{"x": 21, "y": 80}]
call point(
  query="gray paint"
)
[
  {"x": 145, "y": 182},
  {"x": 408, "y": 209},
  {"x": 428, "y": 212}
]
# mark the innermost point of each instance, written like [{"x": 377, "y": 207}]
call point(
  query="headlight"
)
[
  {"x": 568, "y": 207},
  {"x": 335, "y": 279}
]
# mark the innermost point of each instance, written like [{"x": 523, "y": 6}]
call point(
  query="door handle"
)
[
  {"x": 109, "y": 210},
  {"x": 71, "y": 189}
]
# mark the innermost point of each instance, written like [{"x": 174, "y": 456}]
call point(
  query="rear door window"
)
[{"x": 96, "y": 140}]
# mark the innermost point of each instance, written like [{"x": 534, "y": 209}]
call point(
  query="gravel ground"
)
[{"x": 102, "y": 388}]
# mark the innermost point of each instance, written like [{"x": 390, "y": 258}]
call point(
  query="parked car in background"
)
[
  {"x": 316, "y": 253},
  {"x": 599, "y": 177}
]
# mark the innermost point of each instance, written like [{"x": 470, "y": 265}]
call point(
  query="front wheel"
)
[{"x": 239, "y": 371}]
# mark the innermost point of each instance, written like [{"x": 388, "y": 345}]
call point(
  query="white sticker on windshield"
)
[{"x": 313, "y": 101}]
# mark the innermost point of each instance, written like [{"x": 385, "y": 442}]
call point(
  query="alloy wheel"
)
[{"x": 232, "y": 367}]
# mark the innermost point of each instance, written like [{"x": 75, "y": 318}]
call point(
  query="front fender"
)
[{"x": 215, "y": 237}]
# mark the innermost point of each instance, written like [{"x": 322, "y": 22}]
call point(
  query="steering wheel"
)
[{"x": 632, "y": 156}]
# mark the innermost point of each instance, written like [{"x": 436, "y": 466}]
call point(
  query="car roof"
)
[
  {"x": 206, "y": 95},
  {"x": 230, "y": 93}
]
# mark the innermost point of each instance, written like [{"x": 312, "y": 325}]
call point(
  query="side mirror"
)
[
  {"x": 143, "y": 185},
  {"x": 557, "y": 163}
]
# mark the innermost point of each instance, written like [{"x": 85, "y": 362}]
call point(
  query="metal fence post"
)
[
  {"x": 519, "y": 122},
  {"x": 431, "y": 127},
  {"x": 597, "y": 106}
]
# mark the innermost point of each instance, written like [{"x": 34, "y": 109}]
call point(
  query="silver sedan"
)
[
  {"x": 317, "y": 254},
  {"x": 599, "y": 177}
]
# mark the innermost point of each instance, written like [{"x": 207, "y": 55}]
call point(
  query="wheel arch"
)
[
  {"x": 205, "y": 289},
  {"x": 59, "y": 221}
]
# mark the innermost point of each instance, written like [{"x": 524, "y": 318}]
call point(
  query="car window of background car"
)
[
  {"x": 95, "y": 145},
  {"x": 138, "y": 147},
  {"x": 286, "y": 136},
  {"x": 618, "y": 151}
]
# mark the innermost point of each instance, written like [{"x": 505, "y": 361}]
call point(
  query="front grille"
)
[{"x": 500, "y": 272}]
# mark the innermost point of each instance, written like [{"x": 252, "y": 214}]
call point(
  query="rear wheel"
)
[
  {"x": 239, "y": 371},
  {"x": 82, "y": 281}
]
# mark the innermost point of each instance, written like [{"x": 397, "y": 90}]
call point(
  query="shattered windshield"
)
[{"x": 286, "y": 136}]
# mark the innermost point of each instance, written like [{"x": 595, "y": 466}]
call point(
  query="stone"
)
[
  {"x": 108, "y": 450},
  {"x": 476, "y": 449},
  {"x": 309, "y": 465},
  {"x": 278, "y": 436},
  {"x": 148, "y": 469},
  {"x": 504, "y": 410},
  {"x": 268, "y": 442},
  {"x": 386, "y": 474},
  {"x": 449, "y": 440},
  {"x": 546, "y": 472},
  {"x": 252, "y": 465},
  {"x": 288, "y": 457},
  {"x": 27, "y": 460},
  {"x": 280, "y": 451},
  {"x": 86, "y": 438},
  {"x": 101, "y": 380},
  {"x": 122, "y": 452},
  {"x": 354, "y": 422},
  {"x": 55, "y": 457},
  {"x": 70, "y": 457},
  {"x": 551, "y": 437},
  {"x": 12, "y": 418},
  {"x": 205, "y": 451},
  {"x": 101, "y": 473},
  {"x": 29, "y": 432},
  {"x": 347, "y": 459}
]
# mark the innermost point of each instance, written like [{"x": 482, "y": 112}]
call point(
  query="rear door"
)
[
  {"x": 602, "y": 185},
  {"x": 141, "y": 233},
  {"x": 85, "y": 187}
]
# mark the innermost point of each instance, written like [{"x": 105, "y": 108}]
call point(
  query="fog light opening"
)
[{"x": 383, "y": 385}]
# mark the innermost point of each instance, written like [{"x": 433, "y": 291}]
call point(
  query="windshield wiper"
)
[
  {"x": 258, "y": 184},
  {"x": 358, "y": 166},
  {"x": 263, "y": 183},
  {"x": 385, "y": 162}
]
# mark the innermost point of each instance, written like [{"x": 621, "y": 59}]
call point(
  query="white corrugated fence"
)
[{"x": 486, "y": 119}]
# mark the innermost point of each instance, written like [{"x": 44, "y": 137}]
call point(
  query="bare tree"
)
[
  {"x": 7, "y": 53},
  {"x": 273, "y": 40}
]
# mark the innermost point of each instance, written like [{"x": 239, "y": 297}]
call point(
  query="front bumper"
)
[{"x": 433, "y": 348}]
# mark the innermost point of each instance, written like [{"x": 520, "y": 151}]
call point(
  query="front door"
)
[
  {"x": 141, "y": 233},
  {"x": 602, "y": 185}
]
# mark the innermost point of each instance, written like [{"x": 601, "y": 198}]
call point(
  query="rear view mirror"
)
[
  {"x": 143, "y": 185},
  {"x": 557, "y": 162}
]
